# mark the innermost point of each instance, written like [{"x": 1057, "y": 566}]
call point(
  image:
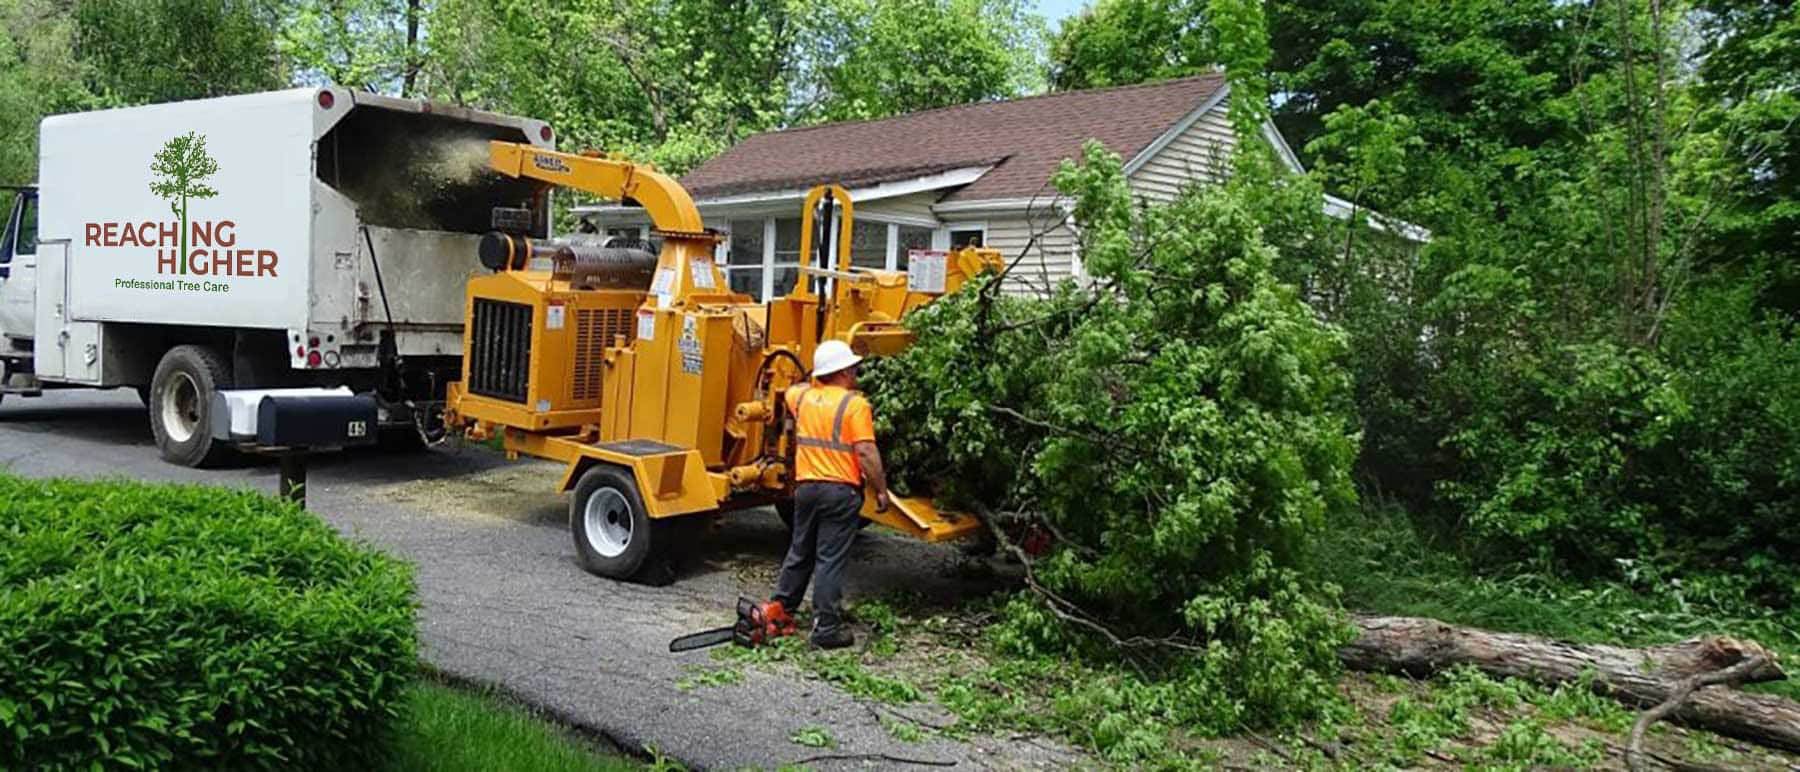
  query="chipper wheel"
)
[{"x": 614, "y": 535}]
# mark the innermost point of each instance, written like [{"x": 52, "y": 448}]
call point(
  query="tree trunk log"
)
[{"x": 1641, "y": 678}]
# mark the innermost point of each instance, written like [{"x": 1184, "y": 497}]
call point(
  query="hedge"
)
[{"x": 155, "y": 626}]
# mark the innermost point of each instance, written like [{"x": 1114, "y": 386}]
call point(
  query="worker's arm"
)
[
  {"x": 859, "y": 431},
  {"x": 870, "y": 458}
]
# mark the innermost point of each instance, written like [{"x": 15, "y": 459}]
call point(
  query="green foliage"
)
[
  {"x": 842, "y": 668},
  {"x": 444, "y": 728},
  {"x": 672, "y": 82},
  {"x": 875, "y": 58},
  {"x": 368, "y": 44},
  {"x": 1121, "y": 42},
  {"x": 1182, "y": 425},
  {"x": 159, "y": 626},
  {"x": 676, "y": 81},
  {"x": 813, "y": 737},
  {"x": 1560, "y": 378},
  {"x": 62, "y": 57},
  {"x": 704, "y": 678},
  {"x": 1524, "y": 744},
  {"x": 1122, "y": 716},
  {"x": 142, "y": 51},
  {"x": 1557, "y": 480},
  {"x": 904, "y": 731},
  {"x": 1444, "y": 712},
  {"x": 1586, "y": 455}
]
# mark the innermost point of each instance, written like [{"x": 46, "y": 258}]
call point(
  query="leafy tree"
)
[
  {"x": 874, "y": 58},
  {"x": 145, "y": 51},
  {"x": 367, "y": 44},
  {"x": 1751, "y": 66},
  {"x": 1121, "y": 42},
  {"x": 646, "y": 77},
  {"x": 63, "y": 57},
  {"x": 180, "y": 171},
  {"x": 39, "y": 75}
]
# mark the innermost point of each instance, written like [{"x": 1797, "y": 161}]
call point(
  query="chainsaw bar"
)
[{"x": 702, "y": 639}]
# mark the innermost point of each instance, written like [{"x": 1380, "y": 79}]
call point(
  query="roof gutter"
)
[
  {"x": 954, "y": 178},
  {"x": 1344, "y": 210}
]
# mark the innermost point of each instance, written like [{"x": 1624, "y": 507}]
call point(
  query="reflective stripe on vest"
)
[{"x": 837, "y": 426}]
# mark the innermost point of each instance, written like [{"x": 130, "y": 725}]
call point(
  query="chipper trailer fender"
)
[{"x": 655, "y": 385}]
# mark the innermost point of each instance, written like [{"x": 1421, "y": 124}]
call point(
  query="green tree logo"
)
[{"x": 181, "y": 169}]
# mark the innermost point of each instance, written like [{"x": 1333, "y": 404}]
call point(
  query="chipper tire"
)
[
  {"x": 614, "y": 535},
  {"x": 180, "y": 403}
]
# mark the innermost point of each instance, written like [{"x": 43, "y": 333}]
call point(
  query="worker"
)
[{"x": 834, "y": 456}]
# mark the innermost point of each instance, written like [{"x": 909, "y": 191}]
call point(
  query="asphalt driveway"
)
[{"x": 504, "y": 604}]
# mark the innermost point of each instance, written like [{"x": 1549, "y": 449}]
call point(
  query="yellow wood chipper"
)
[{"x": 657, "y": 386}]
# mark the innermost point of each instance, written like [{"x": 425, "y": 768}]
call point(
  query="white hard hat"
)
[{"x": 832, "y": 356}]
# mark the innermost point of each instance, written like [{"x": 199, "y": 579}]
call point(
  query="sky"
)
[{"x": 1057, "y": 10}]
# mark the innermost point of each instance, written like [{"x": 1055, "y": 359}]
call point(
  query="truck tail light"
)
[
  {"x": 326, "y": 100},
  {"x": 299, "y": 351},
  {"x": 313, "y": 359},
  {"x": 545, "y": 132}
]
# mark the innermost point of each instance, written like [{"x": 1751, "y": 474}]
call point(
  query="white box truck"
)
[{"x": 314, "y": 237}]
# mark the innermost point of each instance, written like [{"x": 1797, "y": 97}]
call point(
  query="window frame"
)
[
  {"x": 771, "y": 265},
  {"x": 969, "y": 225}
]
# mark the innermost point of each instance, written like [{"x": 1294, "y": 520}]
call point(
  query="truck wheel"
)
[
  {"x": 180, "y": 403},
  {"x": 614, "y": 536}
]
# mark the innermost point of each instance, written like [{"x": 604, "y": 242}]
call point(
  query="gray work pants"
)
[{"x": 825, "y": 515}]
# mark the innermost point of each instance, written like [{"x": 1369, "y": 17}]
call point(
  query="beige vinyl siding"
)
[
  {"x": 1047, "y": 261},
  {"x": 1202, "y": 152},
  {"x": 915, "y": 207}
]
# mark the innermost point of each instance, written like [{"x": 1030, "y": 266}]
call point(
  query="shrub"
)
[
  {"x": 180, "y": 626},
  {"x": 1593, "y": 456}
]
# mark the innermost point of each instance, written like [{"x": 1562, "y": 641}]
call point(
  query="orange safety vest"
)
[{"x": 828, "y": 422}]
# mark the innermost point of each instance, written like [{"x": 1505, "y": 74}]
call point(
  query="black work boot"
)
[{"x": 840, "y": 638}]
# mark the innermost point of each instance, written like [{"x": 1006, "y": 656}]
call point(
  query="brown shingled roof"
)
[{"x": 1024, "y": 139}]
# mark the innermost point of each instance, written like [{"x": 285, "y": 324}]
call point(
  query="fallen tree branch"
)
[
  {"x": 1679, "y": 765},
  {"x": 1070, "y": 612},
  {"x": 1640, "y": 677},
  {"x": 874, "y": 757},
  {"x": 1634, "y": 750}
]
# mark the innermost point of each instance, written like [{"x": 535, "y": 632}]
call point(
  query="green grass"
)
[
  {"x": 1384, "y": 566},
  {"x": 446, "y": 729}
]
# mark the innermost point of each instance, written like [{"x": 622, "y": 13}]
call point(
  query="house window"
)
[
  {"x": 966, "y": 236},
  {"x": 868, "y": 245},
  {"x": 762, "y": 257},
  {"x": 744, "y": 263},
  {"x": 785, "y": 263},
  {"x": 910, "y": 237}
]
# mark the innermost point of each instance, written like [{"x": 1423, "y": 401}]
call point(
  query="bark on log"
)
[{"x": 1640, "y": 678}]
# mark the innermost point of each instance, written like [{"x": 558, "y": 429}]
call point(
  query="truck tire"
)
[
  {"x": 180, "y": 403},
  {"x": 614, "y": 536}
]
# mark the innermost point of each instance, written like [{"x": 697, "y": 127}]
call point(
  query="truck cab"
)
[{"x": 18, "y": 264}]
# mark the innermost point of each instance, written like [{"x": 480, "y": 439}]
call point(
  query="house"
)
[{"x": 975, "y": 173}]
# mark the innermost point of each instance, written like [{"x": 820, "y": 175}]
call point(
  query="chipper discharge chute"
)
[{"x": 655, "y": 384}]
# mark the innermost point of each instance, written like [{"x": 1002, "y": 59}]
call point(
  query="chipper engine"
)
[{"x": 655, "y": 385}]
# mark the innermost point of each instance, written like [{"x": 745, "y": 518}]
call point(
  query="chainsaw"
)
[{"x": 757, "y": 624}]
